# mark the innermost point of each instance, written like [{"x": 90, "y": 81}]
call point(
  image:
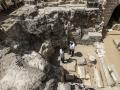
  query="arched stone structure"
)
[
  {"x": 109, "y": 9},
  {"x": 115, "y": 17}
]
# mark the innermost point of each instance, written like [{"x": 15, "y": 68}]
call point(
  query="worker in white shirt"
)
[
  {"x": 61, "y": 54},
  {"x": 71, "y": 48}
]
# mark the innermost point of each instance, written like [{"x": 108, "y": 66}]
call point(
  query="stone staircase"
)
[{"x": 109, "y": 8}]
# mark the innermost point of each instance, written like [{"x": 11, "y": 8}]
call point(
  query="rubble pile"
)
[
  {"x": 32, "y": 36},
  {"x": 57, "y": 19},
  {"x": 116, "y": 27},
  {"x": 29, "y": 72}
]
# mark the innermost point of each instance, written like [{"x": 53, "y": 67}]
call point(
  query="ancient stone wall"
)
[
  {"x": 109, "y": 8},
  {"x": 53, "y": 20},
  {"x": 33, "y": 26},
  {"x": 32, "y": 34}
]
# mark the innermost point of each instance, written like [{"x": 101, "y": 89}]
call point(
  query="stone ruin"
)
[{"x": 30, "y": 38}]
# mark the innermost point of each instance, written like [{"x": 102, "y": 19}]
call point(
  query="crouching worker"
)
[{"x": 61, "y": 55}]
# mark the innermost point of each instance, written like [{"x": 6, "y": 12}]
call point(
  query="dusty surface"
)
[
  {"x": 43, "y": 28},
  {"x": 112, "y": 57},
  {"x": 112, "y": 54},
  {"x": 80, "y": 51}
]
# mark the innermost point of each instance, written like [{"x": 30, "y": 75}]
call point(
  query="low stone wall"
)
[
  {"x": 33, "y": 26},
  {"x": 53, "y": 22}
]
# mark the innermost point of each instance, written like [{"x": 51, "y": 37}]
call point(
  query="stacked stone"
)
[
  {"x": 91, "y": 37},
  {"x": 30, "y": 2}
]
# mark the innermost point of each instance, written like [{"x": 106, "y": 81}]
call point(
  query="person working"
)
[
  {"x": 71, "y": 48},
  {"x": 61, "y": 54}
]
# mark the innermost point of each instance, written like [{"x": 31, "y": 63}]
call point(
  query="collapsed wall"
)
[
  {"x": 32, "y": 40},
  {"x": 55, "y": 23}
]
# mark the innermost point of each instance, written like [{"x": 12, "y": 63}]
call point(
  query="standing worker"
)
[
  {"x": 61, "y": 55},
  {"x": 71, "y": 48}
]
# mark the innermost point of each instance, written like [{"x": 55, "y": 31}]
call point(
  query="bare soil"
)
[{"x": 112, "y": 54}]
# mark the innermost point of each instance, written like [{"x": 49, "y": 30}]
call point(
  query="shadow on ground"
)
[{"x": 78, "y": 54}]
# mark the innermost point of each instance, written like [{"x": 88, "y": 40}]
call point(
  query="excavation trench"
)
[{"x": 34, "y": 42}]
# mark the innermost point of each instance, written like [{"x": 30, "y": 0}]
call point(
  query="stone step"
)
[
  {"x": 112, "y": 2},
  {"x": 108, "y": 13},
  {"x": 112, "y": 5},
  {"x": 109, "y": 10}
]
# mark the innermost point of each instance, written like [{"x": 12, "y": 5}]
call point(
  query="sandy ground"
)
[
  {"x": 112, "y": 54},
  {"x": 80, "y": 50}
]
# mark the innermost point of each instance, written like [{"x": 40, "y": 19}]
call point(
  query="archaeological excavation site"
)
[{"x": 59, "y": 44}]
